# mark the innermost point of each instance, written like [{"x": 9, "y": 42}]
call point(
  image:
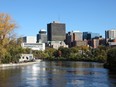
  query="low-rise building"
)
[
  {"x": 112, "y": 44},
  {"x": 34, "y": 46},
  {"x": 80, "y": 43},
  {"x": 57, "y": 44},
  {"x": 30, "y": 42},
  {"x": 29, "y": 39}
]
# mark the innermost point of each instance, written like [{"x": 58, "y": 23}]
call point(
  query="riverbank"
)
[
  {"x": 81, "y": 60},
  {"x": 20, "y": 64}
]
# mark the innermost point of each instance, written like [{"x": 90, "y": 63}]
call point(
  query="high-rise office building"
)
[
  {"x": 72, "y": 37},
  {"x": 56, "y": 31},
  {"x": 69, "y": 38},
  {"x": 77, "y": 36},
  {"x": 85, "y": 35},
  {"x": 110, "y": 34},
  {"x": 89, "y": 35},
  {"x": 42, "y": 36}
]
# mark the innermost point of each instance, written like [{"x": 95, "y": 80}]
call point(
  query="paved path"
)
[{"x": 19, "y": 64}]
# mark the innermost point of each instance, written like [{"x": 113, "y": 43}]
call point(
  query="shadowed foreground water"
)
[{"x": 57, "y": 74}]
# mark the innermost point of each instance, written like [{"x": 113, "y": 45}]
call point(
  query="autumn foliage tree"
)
[{"x": 7, "y": 25}]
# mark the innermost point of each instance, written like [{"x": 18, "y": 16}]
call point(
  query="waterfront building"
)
[
  {"x": 42, "y": 36},
  {"x": 26, "y": 58},
  {"x": 110, "y": 34},
  {"x": 56, "y": 31}
]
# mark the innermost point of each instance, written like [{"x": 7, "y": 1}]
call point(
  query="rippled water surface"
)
[{"x": 57, "y": 74}]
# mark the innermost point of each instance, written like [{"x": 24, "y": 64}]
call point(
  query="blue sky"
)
[{"x": 84, "y": 15}]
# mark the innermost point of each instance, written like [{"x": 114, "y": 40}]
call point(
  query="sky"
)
[{"x": 79, "y": 15}]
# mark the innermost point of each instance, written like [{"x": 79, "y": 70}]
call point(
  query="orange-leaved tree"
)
[{"x": 7, "y": 25}]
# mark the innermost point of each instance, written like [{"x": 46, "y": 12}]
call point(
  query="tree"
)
[
  {"x": 65, "y": 52},
  {"x": 111, "y": 57},
  {"x": 74, "y": 50},
  {"x": 50, "y": 52},
  {"x": 39, "y": 54},
  {"x": 7, "y": 25}
]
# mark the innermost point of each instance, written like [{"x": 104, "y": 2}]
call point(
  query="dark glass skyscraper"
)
[
  {"x": 42, "y": 36},
  {"x": 56, "y": 31},
  {"x": 89, "y": 35}
]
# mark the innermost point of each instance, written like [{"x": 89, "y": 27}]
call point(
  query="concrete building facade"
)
[
  {"x": 80, "y": 43},
  {"x": 34, "y": 46},
  {"x": 95, "y": 43},
  {"x": 29, "y": 39},
  {"x": 77, "y": 36},
  {"x": 73, "y": 37},
  {"x": 111, "y": 34},
  {"x": 30, "y": 42},
  {"x": 57, "y": 44}
]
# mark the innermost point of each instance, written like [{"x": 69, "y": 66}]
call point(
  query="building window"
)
[
  {"x": 27, "y": 58},
  {"x": 30, "y": 57},
  {"x": 23, "y": 57}
]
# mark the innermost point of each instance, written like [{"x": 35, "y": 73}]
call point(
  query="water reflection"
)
[
  {"x": 57, "y": 74},
  {"x": 8, "y": 76}
]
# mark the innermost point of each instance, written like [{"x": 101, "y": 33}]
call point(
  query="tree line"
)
[{"x": 81, "y": 53}]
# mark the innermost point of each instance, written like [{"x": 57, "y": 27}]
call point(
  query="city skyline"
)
[{"x": 83, "y": 15}]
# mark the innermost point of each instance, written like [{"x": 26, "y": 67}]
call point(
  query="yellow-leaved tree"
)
[{"x": 7, "y": 25}]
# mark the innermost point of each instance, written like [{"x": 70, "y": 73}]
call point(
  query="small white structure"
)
[
  {"x": 112, "y": 44},
  {"x": 26, "y": 58}
]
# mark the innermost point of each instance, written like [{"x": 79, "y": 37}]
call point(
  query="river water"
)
[{"x": 57, "y": 74}]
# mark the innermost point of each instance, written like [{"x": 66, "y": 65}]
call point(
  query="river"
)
[{"x": 57, "y": 74}]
